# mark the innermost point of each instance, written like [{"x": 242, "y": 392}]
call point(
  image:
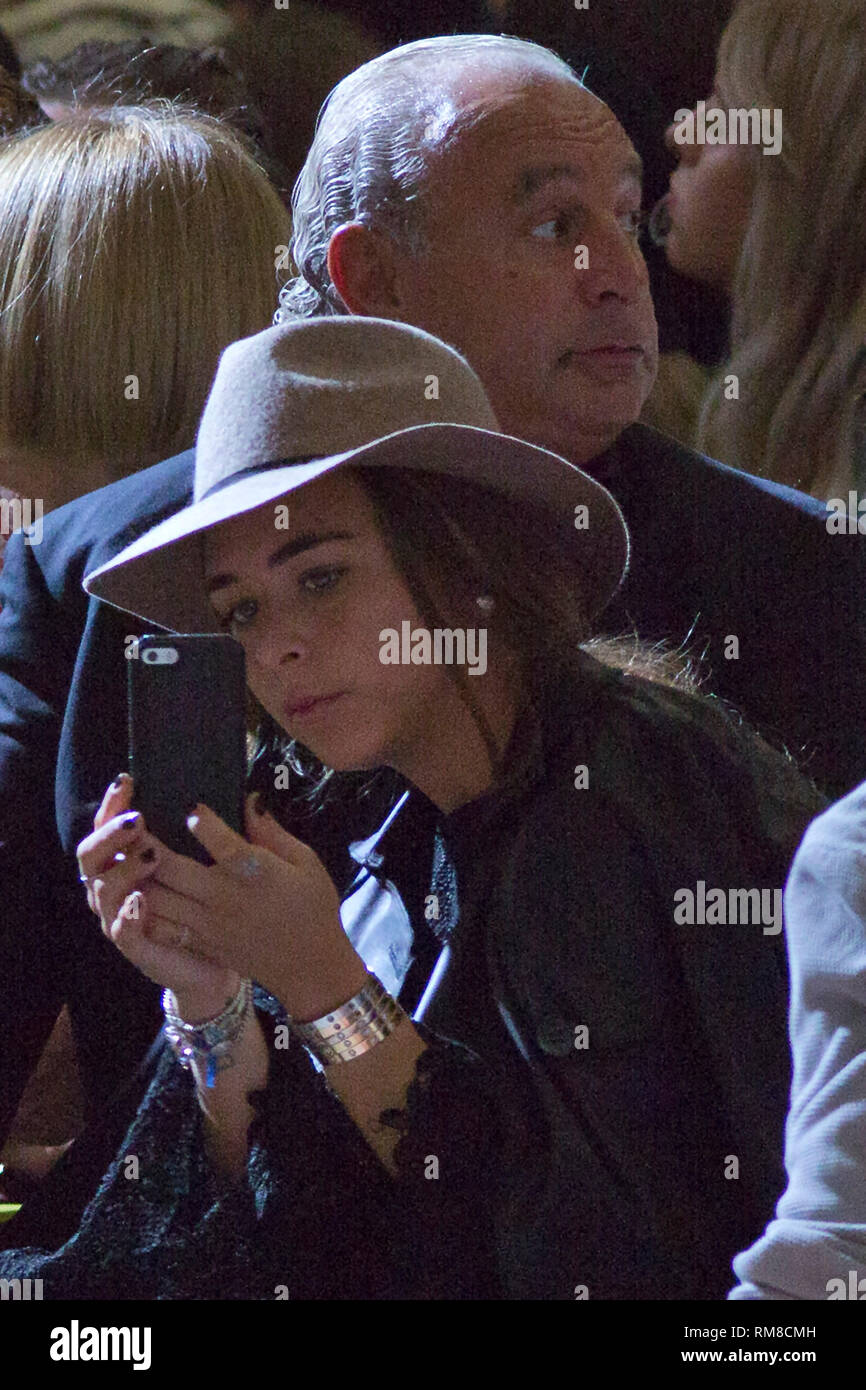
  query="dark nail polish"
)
[{"x": 119, "y": 781}]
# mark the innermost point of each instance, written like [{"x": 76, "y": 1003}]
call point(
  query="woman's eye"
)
[
  {"x": 239, "y": 616},
  {"x": 321, "y": 581},
  {"x": 636, "y": 221}
]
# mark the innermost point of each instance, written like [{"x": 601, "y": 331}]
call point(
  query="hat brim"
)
[{"x": 160, "y": 577}]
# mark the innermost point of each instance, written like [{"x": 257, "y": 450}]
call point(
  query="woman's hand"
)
[
  {"x": 120, "y": 860},
  {"x": 266, "y": 909}
]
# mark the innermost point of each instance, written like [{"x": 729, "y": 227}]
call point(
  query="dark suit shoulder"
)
[
  {"x": 91, "y": 529},
  {"x": 733, "y": 483}
]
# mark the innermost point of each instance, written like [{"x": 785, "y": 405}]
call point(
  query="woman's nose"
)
[
  {"x": 682, "y": 149},
  {"x": 275, "y": 644}
]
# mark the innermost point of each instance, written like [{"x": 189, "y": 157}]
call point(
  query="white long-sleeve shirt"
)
[{"x": 816, "y": 1246}]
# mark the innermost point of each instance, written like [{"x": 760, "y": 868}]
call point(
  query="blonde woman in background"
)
[
  {"x": 136, "y": 243},
  {"x": 782, "y": 234},
  {"x": 18, "y": 111}
]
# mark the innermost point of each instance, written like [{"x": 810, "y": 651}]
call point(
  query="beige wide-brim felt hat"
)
[{"x": 309, "y": 397}]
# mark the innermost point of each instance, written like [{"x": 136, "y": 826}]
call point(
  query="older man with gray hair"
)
[{"x": 474, "y": 187}]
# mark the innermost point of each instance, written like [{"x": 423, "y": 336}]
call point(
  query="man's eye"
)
[
  {"x": 555, "y": 227},
  {"x": 565, "y": 225},
  {"x": 321, "y": 581}
]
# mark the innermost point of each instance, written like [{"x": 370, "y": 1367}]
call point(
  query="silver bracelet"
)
[
  {"x": 354, "y": 1027},
  {"x": 212, "y": 1040}
]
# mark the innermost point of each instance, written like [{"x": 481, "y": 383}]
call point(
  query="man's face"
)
[{"x": 564, "y": 341}]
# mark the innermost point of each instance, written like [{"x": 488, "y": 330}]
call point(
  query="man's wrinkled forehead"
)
[{"x": 526, "y": 130}]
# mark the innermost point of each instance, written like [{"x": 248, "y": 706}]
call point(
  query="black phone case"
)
[{"x": 187, "y": 734}]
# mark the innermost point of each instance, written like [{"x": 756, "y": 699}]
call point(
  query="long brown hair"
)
[{"x": 454, "y": 541}]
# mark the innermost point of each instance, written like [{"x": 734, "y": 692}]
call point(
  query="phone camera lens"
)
[{"x": 161, "y": 656}]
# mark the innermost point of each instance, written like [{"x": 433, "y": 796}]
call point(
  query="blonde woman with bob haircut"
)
[
  {"x": 782, "y": 234},
  {"x": 137, "y": 242}
]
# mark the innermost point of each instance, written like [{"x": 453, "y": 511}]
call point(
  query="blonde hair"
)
[
  {"x": 798, "y": 329},
  {"x": 135, "y": 244}
]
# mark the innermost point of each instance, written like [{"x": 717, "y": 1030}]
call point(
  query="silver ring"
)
[{"x": 248, "y": 867}]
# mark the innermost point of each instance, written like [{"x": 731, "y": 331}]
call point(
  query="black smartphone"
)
[{"x": 187, "y": 733}]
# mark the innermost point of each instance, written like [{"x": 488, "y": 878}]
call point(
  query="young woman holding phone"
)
[{"x": 549, "y": 1109}]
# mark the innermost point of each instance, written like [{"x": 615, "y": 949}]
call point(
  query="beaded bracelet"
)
[{"x": 212, "y": 1040}]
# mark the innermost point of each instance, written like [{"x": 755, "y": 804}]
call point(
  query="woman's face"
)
[
  {"x": 308, "y": 602},
  {"x": 709, "y": 205}
]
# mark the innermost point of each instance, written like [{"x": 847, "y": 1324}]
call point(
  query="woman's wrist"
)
[
  {"x": 303, "y": 1002},
  {"x": 197, "y": 1005},
  {"x": 306, "y": 1003}
]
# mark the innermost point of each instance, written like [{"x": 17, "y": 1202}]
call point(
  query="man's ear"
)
[{"x": 363, "y": 268}]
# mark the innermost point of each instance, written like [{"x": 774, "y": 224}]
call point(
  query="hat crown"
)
[{"x": 322, "y": 386}]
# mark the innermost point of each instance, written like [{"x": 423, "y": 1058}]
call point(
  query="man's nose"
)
[{"x": 612, "y": 264}]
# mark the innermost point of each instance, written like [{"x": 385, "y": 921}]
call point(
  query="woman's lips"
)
[{"x": 307, "y": 708}]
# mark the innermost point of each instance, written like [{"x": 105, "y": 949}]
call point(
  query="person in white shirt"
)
[{"x": 816, "y": 1246}]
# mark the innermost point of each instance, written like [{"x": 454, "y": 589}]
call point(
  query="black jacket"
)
[
  {"x": 742, "y": 556},
  {"x": 604, "y": 1092}
]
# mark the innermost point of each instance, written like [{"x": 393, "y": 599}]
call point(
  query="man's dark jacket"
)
[{"x": 715, "y": 553}]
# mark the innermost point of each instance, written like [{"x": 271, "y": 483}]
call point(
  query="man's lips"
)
[
  {"x": 606, "y": 349},
  {"x": 612, "y": 352},
  {"x": 310, "y": 704}
]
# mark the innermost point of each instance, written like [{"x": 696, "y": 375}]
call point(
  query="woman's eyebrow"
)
[{"x": 306, "y": 541}]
